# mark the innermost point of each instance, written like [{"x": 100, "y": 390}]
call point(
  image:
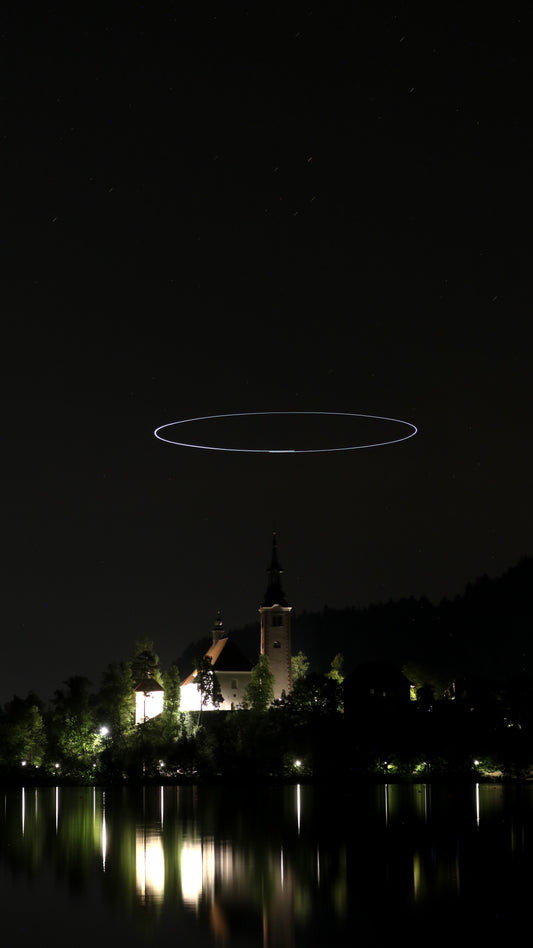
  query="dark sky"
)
[{"x": 293, "y": 207}]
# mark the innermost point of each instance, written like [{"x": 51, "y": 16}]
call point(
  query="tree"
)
[
  {"x": 171, "y": 706},
  {"x": 23, "y": 736},
  {"x": 207, "y": 682},
  {"x": 116, "y": 702},
  {"x": 145, "y": 662},
  {"x": 73, "y": 721},
  {"x": 315, "y": 694},
  {"x": 336, "y": 673},
  {"x": 172, "y": 685},
  {"x": 299, "y": 666},
  {"x": 260, "y": 692}
]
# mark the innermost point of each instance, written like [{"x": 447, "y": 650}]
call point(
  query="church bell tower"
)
[{"x": 276, "y": 627}]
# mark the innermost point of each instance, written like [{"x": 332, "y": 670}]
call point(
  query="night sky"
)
[{"x": 293, "y": 207}]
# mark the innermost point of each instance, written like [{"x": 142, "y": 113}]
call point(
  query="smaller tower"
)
[
  {"x": 218, "y": 629},
  {"x": 276, "y": 627}
]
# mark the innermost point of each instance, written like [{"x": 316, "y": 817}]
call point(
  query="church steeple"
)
[
  {"x": 276, "y": 627},
  {"x": 274, "y": 593},
  {"x": 218, "y": 629}
]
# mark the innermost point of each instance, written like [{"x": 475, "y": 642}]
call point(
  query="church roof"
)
[
  {"x": 147, "y": 685},
  {"x": 274, "y": 595},
  {"x": 225, "y": 657}
]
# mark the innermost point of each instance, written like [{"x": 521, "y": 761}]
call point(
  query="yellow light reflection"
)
[
  {"x": 417, "y": 874},
  {"x": 150, "y": 866},
  {"x": 104, "y": 834},
  {"x": 197, "y": 870}
]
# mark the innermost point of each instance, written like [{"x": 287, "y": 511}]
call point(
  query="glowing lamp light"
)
[
  {"x": 103, "y": 731},
  {"x": 297, "y": 763}
]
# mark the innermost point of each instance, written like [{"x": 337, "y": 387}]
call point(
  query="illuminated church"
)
[
  {"x": 232, "y": 668},
  {"x": 233, "y": 671}
]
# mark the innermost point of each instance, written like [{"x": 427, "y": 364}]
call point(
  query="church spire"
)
[
  {"x": 274, "y": 594},
  {"x": 218, "y": 629}
]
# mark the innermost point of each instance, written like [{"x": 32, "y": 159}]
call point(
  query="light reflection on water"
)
[{"x": 275, "y": 867}]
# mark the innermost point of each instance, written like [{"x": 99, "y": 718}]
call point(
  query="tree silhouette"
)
[
  {"x": 260, "y": 692},
  {"x": 207, "y": 683}
]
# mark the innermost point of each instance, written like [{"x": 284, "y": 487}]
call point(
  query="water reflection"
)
[{"x": 276, "y": 867}]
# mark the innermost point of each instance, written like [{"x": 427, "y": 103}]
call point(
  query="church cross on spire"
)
[{"x": 274, "y": 594}]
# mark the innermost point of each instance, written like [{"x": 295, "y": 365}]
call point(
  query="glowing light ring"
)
[{"x": 254, "y": 414}]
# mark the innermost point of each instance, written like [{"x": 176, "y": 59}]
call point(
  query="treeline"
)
[
  {"x": 322, "y": 731},
  {"x": 82, "y": 733},
  {"x": 469, "y": 662},
  {"x": 485, "y": 632},
  {"x": 86, "y": 736}
]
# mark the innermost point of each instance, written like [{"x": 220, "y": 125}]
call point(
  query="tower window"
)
[{"x": 276, "y": 644}]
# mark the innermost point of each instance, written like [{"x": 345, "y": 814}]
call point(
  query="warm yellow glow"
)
[
  {"x": 148, "y": 705},
  {"x": 191, "y": 872},
  {"x": 189, "y": 697},
  {"x": 190, "y": 700},
  {"x": 197, "y": 870},
  {"x": 150, "y": 865},
  {"x": 417, "y": 874}
]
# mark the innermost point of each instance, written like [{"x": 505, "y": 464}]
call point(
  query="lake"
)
[{"x": 276, "y": 866}]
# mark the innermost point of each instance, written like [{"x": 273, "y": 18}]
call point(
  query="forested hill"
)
[{"x": 487, "y": 631}]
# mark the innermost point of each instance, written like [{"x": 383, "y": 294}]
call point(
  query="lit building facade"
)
[
  {"x": 232, "y": 669},
  {"x": 149, "y": 697}
]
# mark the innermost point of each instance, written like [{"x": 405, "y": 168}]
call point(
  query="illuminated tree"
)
[
  {"x": 259, "y": 694},
  {"x": 299, "y": 666},
  {"x": 171, "y": 707},
  {"x": 74, "y": 724},
  {"x": 207, "y": 683},
  {"x": 336, "y": 673}
]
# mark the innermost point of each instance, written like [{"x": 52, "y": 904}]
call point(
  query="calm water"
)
[{"x": 280, "y": 867}]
